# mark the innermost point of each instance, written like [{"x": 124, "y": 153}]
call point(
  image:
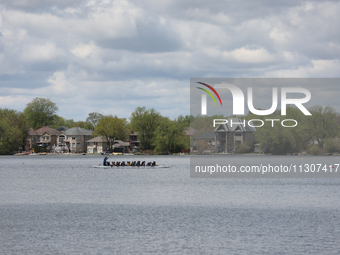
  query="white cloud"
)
[
  {"x": 72, "y": 10},
  {"x": 317, "y": 68},
  {"x": 83, "y": 50},
  {"x": 38, "y": 53},
  {"x": 280, "y": 35},
  {"x": 126, "y": 54},
  {"x": 114, "y": 21},
  {"x": 249, "y": 55},
  {"x": 14, "y": 101},
  {"x": 60, "y": 86}
]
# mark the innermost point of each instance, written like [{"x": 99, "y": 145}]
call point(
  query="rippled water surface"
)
[{"x": 63, "y": 205}]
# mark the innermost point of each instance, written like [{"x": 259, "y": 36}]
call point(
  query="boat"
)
[{"x": 129, "y": 167}]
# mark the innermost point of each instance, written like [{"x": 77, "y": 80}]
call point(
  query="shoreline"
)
[{"x": 177, "y": 154}]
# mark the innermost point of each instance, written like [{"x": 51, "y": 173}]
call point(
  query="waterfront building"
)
[
  {"x": 99, "y": 144},
  {"x": 67, "y": 140},
  {"x": 43, "y": 137},
  {"x": 133, "y": 141},
  {"x": 74, "y": 139},
  {"x": 204, "y": 143},
  {"x": 233, "y": 133},
  {"x": 225, "y": 138}
]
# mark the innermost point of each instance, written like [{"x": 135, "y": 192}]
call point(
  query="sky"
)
[{"x": 113, "y": 56}]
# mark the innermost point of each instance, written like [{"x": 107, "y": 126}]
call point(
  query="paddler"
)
[{"x": 104, "y": 163}]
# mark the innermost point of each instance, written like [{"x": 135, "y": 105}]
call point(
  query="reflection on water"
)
[{"x": 61, "y": 204}]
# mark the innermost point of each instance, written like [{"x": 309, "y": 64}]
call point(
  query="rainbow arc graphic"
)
[
  {"x": 209, "y": 93},
  {"x": 204, "y": 97}
]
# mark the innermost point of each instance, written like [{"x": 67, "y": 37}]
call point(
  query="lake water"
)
[{"x": 62, "y": 205}]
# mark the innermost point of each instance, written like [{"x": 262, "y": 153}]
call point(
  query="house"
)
[
  {"x": 204, "y": 143},
  {"x": 133, "y": 141},
  {"x": 31, "y": 139},
  {"x": 99, "y": 144},
  {"x": 120, "y": 146},
  {"x": 233, "y": 133},
  {"x": 225, "y": 138},
  {"x": 68, "y": 139},
  {"x": 74, "y": 139},
  {"x": 43, "y": 137}
]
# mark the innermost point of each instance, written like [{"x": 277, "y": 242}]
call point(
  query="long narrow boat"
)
[{"x": 129, "y": 167}]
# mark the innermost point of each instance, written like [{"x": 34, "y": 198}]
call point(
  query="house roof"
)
[
  {"x": 46, "y": 129},
  {"x": 97, "y": 139},
  {"x": 234, "y": 125},
  {"x": 119, "y": 143},
  {"x": 31, "y": 132},
  {"x": 78, "y": 131},
  {"x": 206, "y": 135},
  {"x": 102, "y": 139}
]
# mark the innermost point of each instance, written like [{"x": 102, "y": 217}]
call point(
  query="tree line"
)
[
  {"x": 156, "y": 133},
  {"x": 315, "y": 134}
]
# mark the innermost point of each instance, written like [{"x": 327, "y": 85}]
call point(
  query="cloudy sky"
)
[{"x": 112, "y": 56}]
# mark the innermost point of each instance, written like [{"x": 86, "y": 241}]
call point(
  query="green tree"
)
[
  {"x": 161, "y": 139},
  {"x": 41, "y": 112},
  {"x": 13, "y": 129},
  {"x": 94, "y": 118},
  {"x": 332, "y": 145},
  {"x": 323, "y": 123},
  {"x": 89, "y": 125},
  {"x": 112, "y": 128},
  {"x": 83, "y": 124},
  {"x": 69, "y": 123},
  {"x": 170, "y": 135},
  {"x": 277, "y": 139},
  {"x": 244, "y": 148},
  {"x": 145, "y": 122},
  {"x": 203, "y": 124},
  {"x": 8, "y": 137},
  {"x": 58, "y": 122}
]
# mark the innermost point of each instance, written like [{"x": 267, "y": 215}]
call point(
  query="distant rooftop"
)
[
  {"x": 78, "y": 131},
  {"x": 32, "y": 132},
  {"x": 206, "y": 135},
  {"x": 235, "y": 124},
  {"x": 119, "y": 143},
  {"x": 116, "y": 143},
  {"x": 97, "y": 139},
  {"x": 47, "y": 129}
]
